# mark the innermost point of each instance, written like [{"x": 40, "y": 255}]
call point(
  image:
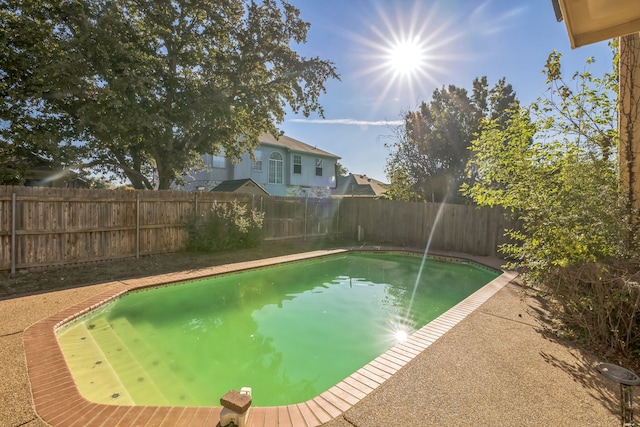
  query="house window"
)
[
  {"x": 257, "y": 164},
  {"x": 275, "y": 168},
  {"x": 297, "y": 163},
  {"x": 218, "y": 162},
  {"x": 318, "y": 167}
]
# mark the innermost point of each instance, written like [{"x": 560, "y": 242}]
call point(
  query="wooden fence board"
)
[
  {"x": 460, "y": 228},
  {"x": 57, "y": 226}
]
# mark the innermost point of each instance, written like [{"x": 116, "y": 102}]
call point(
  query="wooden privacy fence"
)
[
  {"x": 455, "y": 228},
  {"x": 286, "y": 217},
  {"x": 44, "y": 226}
]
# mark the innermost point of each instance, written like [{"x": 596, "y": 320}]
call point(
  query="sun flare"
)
[
  {"x": 401, "y": 336},
  {"x": 405, "y": 52},
  {"x": 405, "y": 49},
  {"x": 406, "y": 56}
]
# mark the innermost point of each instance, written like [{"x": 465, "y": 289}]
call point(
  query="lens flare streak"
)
[{"x": 424, "y": 257}]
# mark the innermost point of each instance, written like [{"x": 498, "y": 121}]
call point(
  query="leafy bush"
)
[
  {"x": 554, "y": 167},
  {"x": 225, "y": 226},
  {"x": 599, "y": 304}
]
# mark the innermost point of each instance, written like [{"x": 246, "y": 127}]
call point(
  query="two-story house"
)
[{"x": 282, "y": 166}]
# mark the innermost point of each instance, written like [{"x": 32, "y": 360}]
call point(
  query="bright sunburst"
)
[
  {"x": 406, "y": 52},
  {"x": 399, "y": 330},
  {"x": 406, "y": 49},
  {"x": 401, "y": 336},
  {"x": 406, "y": 56}
]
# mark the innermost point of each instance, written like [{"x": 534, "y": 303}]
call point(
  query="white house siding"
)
[
  {"x": 308, "y": 175},
  {"x": 243, "y": 169},
  {"x": 304, "y": 184}
]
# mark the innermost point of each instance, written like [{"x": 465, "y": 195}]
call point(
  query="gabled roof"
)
[
  {"x": 294, "y": 145},
  {"x": 31, "y": 169},
  {"x": 246, "y": 185},
  {"x": 378, "y": 187},
  {"x": 359, "y": 185}
]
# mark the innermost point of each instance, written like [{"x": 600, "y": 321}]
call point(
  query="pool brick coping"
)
[{"x": 58, "y": 401}]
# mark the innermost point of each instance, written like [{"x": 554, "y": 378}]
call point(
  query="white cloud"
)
[{"x": 352, "y": 122}]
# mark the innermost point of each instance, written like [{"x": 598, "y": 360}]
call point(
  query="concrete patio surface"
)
[{"x": 497, "y": 367}]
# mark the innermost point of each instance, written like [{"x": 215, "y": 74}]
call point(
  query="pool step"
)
[
  {"x": 94, "y": 376},
  {"x": 189, "y": 367},
  {"x": 157, "y": 369},
  {"x": 133, "y": 376}
]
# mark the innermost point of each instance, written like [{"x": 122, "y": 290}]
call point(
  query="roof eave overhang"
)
[{"x": 592, "y": 21}]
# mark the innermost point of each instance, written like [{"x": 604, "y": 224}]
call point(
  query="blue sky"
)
[{"x": 460, "y": 40}]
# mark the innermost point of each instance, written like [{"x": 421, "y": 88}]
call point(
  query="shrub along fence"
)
[{"x": 44, "y": 226}]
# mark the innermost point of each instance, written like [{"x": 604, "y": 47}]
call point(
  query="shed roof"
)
[{"x": 246, "y": 185}]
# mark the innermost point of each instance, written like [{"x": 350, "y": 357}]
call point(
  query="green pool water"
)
[{"x": 289, "y": 332}]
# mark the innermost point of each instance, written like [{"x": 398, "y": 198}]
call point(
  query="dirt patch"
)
[{"x": 53, "y": 279}]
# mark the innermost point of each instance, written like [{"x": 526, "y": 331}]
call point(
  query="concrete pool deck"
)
[{"x": 492, "y": 367}]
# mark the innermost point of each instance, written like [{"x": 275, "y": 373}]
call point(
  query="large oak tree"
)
[{"x": 141, "y": 88}]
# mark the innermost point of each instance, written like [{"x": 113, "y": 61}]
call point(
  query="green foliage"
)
[
  {"x": 429, "y": 151},
  {"x": 99, "y": 183},
  {"x": 401, "y": 185},
  {"x": 141, "y": 89},
  {"x": 225, "y": 226},
  {"x": 554, "y": 166},
  {"x": 557, "y": 173},
  {"x": 341, "y": 170}
]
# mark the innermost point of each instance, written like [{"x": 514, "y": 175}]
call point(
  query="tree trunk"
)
[{"x": 629, "y": 125}]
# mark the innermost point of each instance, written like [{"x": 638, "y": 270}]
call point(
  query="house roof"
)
[
  {"x": 34, "y": 170},
  {"x": 294, "y": 145},
  {"x": 246, "y": 185},
  {"x": 360, "y": 185}
]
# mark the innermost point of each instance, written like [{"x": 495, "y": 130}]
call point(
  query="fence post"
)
[
  {"x": 14, "y": 250},
  {"x": 337, "y": 214},
  {"x": 317, "y": 218},
  {"x": 137, "y": 225},
  {"x": 304, "y": 232}
]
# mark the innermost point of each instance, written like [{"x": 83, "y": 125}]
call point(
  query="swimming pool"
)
[
  {"x": 58, "y": 401},
  {"x": 290, "y": 332}
]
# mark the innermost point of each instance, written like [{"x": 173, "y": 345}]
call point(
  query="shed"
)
[{"x": 246, "y": 185}]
